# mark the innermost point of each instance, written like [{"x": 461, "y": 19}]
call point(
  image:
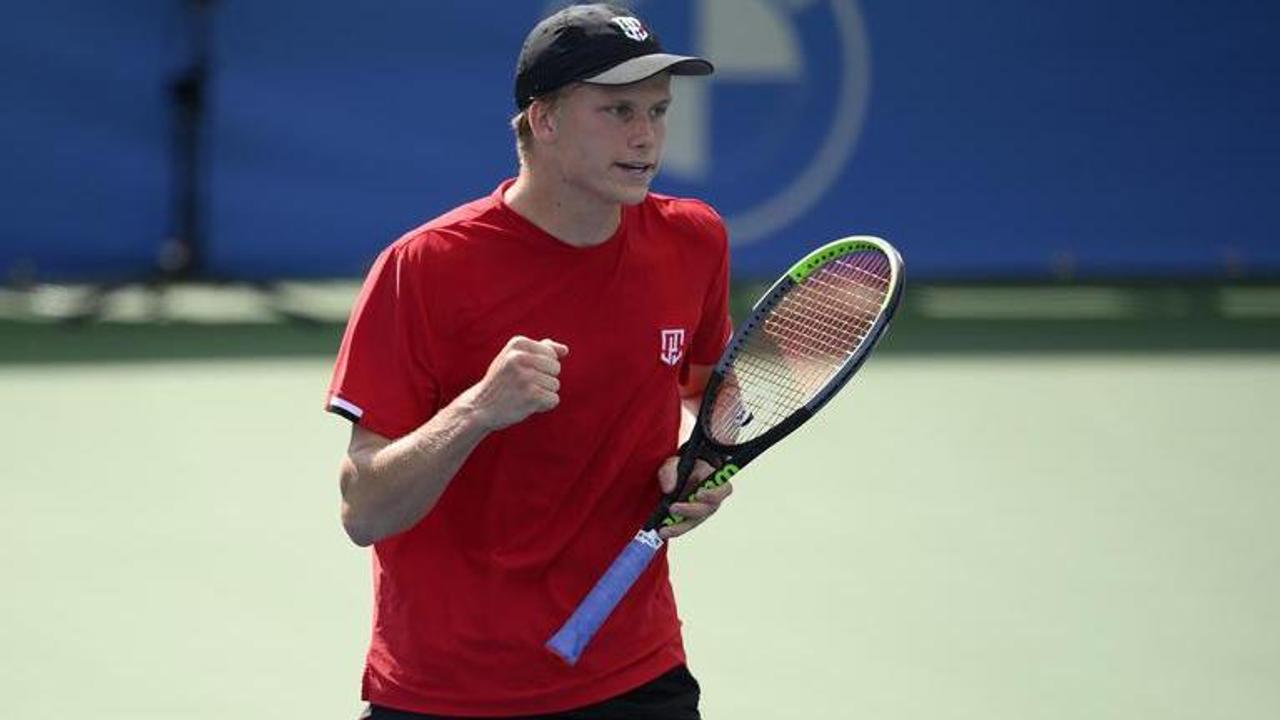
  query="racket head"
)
[{"x": 805, "y": 338}]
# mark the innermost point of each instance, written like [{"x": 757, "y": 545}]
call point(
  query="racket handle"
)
[{"x": 572, "y": 638}]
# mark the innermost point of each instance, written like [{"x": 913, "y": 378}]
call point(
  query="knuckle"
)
[{"x": 523, "y": 344}]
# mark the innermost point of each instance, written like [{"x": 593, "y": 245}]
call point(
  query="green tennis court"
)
[{"x": 1075, "y": 532}]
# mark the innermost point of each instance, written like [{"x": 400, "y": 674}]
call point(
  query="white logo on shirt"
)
[
  {"x": 632, "y": 28},
  {"x": 672, "y": 346}
]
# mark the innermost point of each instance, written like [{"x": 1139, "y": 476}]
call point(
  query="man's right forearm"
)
[{"x": 387, "y": 487}]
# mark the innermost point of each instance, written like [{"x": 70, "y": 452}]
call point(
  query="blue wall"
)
[
  {"x": 997, "y": 139},
  {"x": 84, "y": 135}
]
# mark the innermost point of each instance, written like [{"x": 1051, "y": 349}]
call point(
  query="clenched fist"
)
[{"x": 523, "y": 379}]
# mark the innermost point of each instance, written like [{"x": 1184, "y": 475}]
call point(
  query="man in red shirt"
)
[{"x": 518, "y": 372}]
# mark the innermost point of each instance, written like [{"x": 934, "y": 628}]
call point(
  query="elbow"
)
[
  {"x": 358, "y": 524},
  {"x": 357, "y": 528}
]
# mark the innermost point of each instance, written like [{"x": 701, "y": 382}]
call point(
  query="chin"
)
[{"x": 632, "y": 195}]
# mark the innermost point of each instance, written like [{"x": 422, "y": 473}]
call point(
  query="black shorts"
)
[{"x": 673, "y": 696}]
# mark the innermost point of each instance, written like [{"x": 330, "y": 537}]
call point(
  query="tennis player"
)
[{"x": 519, "y": 372}]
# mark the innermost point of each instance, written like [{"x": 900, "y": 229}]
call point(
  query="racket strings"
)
[
  {"x": 825, "y": 325},
  {"x": 830, "y": 312},
  {"x": 804, "y": 342}
]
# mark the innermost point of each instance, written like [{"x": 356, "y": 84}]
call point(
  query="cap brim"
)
[{"x": 646, "y": 66}]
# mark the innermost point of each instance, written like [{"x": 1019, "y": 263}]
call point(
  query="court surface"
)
[{"x": 1055, "y": 536}]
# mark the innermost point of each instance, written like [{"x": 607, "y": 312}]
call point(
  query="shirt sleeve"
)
[
  {"x": 384, "y": 378},
  {"x": 715, "y": 325}
]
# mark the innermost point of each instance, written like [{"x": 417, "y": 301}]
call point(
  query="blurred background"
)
[{"x": 1055, "y": 496}]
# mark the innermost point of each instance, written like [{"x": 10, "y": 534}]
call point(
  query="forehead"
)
[{"x": 653, "y": 89}]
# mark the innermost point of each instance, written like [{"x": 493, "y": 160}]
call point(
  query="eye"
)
[
  {"x": 620, "y": 111},
  {"x": 660, "y": 111}
]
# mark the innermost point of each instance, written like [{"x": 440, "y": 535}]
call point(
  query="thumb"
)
[{"x": 667, "y": 475}]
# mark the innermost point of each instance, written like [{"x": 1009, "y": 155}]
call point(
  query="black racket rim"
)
[
  {"x": 759, "y": 312},
  {"x": 731, "y": 458}
]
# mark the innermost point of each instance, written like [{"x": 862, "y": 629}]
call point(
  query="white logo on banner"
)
[{"x": 759, "y": 42}]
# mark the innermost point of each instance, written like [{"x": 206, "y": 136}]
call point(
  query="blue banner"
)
[
  {"x": 85, "y": 186},
  {"x": 1005, "y": 139}
]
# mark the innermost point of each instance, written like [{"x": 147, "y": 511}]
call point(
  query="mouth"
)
[{"x": 636, "y": 169}]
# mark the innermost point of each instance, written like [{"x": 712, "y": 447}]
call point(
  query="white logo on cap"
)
[{"x": 632, "y": 28}]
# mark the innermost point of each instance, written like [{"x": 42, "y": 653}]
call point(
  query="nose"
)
[{"x": 644, "y": 132}]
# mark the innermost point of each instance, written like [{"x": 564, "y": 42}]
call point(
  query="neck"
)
[{"x": 561, "y": 211}]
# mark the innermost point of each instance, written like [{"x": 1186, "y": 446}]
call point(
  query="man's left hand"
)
[{"x": 698, "y": 508}]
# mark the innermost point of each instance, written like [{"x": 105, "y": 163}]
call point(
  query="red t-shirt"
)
[{"x": 467, "y": 597}]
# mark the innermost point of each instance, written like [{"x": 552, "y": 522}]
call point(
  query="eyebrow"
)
[{"x": 632, "y": 101}]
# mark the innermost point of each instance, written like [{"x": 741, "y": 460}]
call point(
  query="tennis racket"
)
[{"x": 803, "y": 341}]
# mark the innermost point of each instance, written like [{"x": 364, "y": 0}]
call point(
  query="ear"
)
[{"x": 543, "y": 120}]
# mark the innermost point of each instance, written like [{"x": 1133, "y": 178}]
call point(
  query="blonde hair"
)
[{"x": 524, "y": 134}]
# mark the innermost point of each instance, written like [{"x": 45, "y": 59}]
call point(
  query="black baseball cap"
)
[{"x": 602, "y": 44}]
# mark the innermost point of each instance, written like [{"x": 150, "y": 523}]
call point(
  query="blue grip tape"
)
[{"x": 572, "y": 638}]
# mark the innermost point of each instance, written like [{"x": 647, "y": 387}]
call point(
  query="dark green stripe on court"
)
[{"x": 933, "y": 318}]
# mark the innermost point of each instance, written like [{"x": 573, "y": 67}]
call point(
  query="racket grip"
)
[{"x": 572, "y": 638}]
